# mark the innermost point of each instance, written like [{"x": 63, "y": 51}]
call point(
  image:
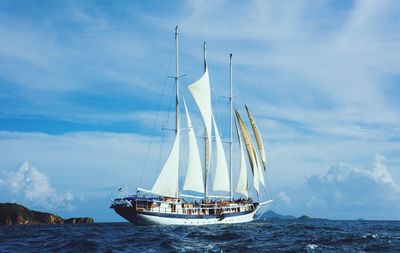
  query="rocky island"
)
[{"x": 11, "y": 214}]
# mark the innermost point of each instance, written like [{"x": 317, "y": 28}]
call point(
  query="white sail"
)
[
  {"x": 194, "y": 175},
  {"x": 258, "y": 138},
  {"x": 259, "y": 169},
  {"x": 201, "y": 93},
  {"x": 241, "y": 186},
  {"x": 250, "y": 151},
  {"x": 221, "y": 178},
  {"x": 167, "y": 182}
]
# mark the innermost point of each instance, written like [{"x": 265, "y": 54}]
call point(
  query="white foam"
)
[{"x": 312, "y": 246}]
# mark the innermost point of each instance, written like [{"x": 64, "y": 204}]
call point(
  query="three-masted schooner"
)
[{"x": 165, "y": 204}]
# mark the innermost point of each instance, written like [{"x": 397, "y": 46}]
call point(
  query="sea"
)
[{"x": 259, "y": 236}]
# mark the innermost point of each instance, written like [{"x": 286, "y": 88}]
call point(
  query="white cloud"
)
[
  {"x": 72, "y": 160},
  {"x": 345, "y": 187},
  {"x": 284, "y": 198},
  {"x": 34, "y": 186}
]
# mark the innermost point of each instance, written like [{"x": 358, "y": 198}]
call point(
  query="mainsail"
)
[
  {"x": 194, "y": 177},
  {"x": 250, "y": 151},
  {"x": 202, "y": 95},
  {"x": 221, "y": 177},
  {"x": 241, "y": 186},
  {"x": 259, "y": 141}
]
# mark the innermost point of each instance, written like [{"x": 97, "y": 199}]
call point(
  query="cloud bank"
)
[
  {"x": 28, "y": 184},
  {"x": 346, "y": 187},
  {"x": 344, "y": 191}
]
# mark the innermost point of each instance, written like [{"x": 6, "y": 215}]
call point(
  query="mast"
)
[
  {"x": 206, "y": 140},
  {"x": 167, "y": 183},
  {"x": 177, "y": 89},
  {"x": 230, "y": 126},
  {"x": 177, "y": 80}
]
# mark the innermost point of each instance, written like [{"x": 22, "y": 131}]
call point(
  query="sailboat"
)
[{"x": 166, "y": 202}]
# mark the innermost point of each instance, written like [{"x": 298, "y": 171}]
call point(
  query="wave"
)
[{"x": 278, "y": 236}]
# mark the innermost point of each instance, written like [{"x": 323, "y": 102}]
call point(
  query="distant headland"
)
[
  {"x": 271, "y": 215},
  {"x": 13, "y": 214}
]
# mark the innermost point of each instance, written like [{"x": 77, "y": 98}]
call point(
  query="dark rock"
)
[
  {"x": 11, "y": 213},
  {"x": 79, "y": 220}
]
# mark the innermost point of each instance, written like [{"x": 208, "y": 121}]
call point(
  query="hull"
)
[{"x": 156, "y": 218}]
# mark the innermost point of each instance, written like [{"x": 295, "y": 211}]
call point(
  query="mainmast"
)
[
  {"x": 230, "y": 127},
  {"x": 177, "y": 89},
  {"x": 206, "y": 140},
  {"x": 177, "y": 80}
]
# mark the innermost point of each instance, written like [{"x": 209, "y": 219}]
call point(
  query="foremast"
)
[{"x": 167, "y": 183}]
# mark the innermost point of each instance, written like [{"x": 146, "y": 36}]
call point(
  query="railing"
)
[{"x": 216, "y": 210}]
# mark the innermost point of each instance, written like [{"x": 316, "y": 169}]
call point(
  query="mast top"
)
[{"x": 205, "y": 55}]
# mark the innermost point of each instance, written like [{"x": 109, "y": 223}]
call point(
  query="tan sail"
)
[
  {"x": 258, "y": 138},
  {"x": 250, "y": 150}
]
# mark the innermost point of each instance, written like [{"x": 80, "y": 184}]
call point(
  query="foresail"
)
[
  {"x": 258, "y": 138},
  {"x": 201, "y": 93},
  {"x": 194, "y": 175},
  {"x": 167, "y": 182},
  {"x": 221, "y": 179},
  {"x": 250, "y": 151},
  {"x": 242, "y": 185}
]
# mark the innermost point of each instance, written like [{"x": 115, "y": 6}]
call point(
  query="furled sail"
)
[
  {"x": 221, "y": 178},
  {"x": 258, "y": 138},
  {"x": 250, "y": 151},
  {"x": 201, "y": 93},
  {"x": 194, "y": 175},
  {"x": 241, "y": 186},
  {"x": 167, "y": 182}
]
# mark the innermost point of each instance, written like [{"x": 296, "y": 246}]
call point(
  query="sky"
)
[{"x": 85, "y": 92}]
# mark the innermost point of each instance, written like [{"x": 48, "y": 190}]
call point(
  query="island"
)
[
  {"x": 271, "y": 215},
  {"x": 13, "y": 214}
]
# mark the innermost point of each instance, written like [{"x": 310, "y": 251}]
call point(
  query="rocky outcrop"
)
[
  {"x": 79, "y": 220},
  {"x": 11, "y": 213}
]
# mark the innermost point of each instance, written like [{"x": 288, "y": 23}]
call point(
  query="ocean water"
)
[{"x": 267, "y": 236}]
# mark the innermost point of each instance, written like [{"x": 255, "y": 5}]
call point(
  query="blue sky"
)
[{"x": 84, "y": 87}]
